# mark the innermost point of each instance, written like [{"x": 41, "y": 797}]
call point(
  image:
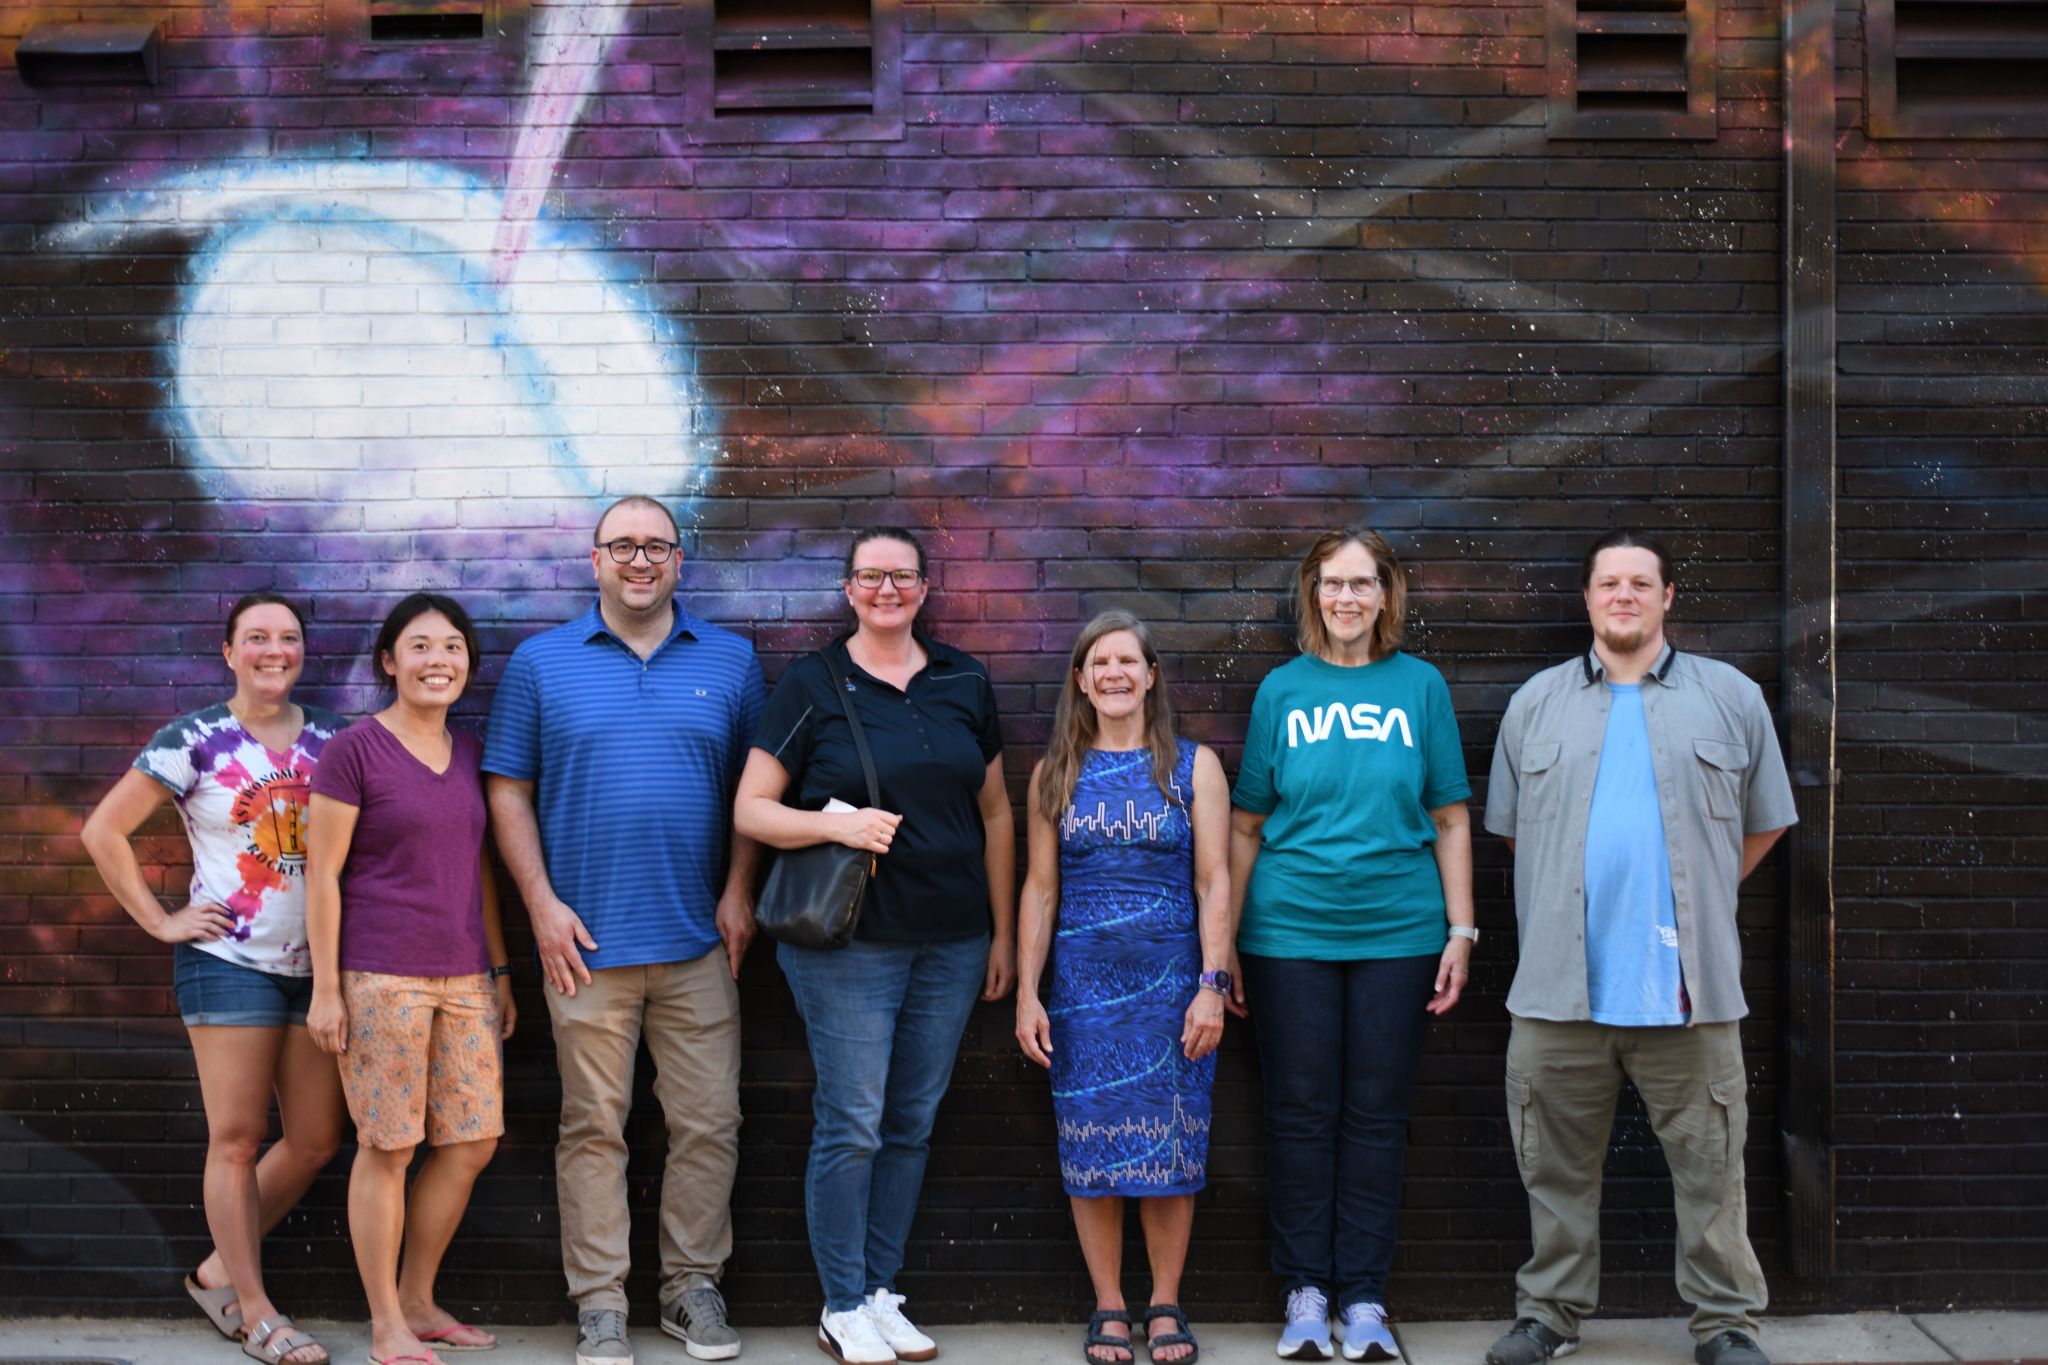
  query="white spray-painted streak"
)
[
  {"x": 345, "y": 341},
  {"x": 568, "y": 55}
]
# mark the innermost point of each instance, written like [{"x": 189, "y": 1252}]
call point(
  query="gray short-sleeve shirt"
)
[{"x": 1719, "y": 776}]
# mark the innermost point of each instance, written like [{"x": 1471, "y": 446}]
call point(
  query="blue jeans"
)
[
  {"x": 1338, "y": 1043},
  {"x": 884, "y": 1021}
]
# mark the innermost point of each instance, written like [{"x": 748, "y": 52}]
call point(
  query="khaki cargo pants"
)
[{"x": 1562, "y": 1083}]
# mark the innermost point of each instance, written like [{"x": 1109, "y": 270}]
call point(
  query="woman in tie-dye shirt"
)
[{"x": 238, "y": 772}]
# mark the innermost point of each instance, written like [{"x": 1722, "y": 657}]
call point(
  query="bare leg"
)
[
  {"x": 235, "y": 1067},
  {"x": 1168, "y": 1222},
  {"x": 1100, "y": 1225},
  {"x": 440, "y": 1193},
  {"x": 310, "y": 1104},
  {"x": 376, "y": 1224}
]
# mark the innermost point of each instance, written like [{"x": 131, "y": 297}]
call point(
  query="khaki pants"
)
[
  {"x": 1562, "y": 1083},
  {"x": 690, "y": 1014}
]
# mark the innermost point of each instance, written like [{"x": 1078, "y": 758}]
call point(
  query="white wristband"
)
[{"x": 1465, "y": 931}]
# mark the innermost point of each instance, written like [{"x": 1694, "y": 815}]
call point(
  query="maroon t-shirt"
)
[{"x": 411, "y": 903}]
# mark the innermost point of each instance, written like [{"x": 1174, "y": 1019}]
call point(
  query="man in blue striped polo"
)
[{"x": 614, "y": 745}]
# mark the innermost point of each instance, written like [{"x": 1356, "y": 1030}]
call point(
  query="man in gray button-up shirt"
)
[{"x": 1636, "y": 786}]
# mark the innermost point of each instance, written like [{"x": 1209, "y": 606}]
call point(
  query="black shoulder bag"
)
[{"x": 813, "y": 895}]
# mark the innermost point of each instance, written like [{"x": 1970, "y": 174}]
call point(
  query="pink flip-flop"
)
[{"x": 439, "y": 1338}]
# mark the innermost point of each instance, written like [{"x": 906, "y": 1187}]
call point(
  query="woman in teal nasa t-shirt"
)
[{"x": 1350, "y": 863}]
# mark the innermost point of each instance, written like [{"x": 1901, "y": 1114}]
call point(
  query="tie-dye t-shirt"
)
[{"x": 244, "y": 808}]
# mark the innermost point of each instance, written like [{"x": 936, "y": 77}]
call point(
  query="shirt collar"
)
[
  {"x": 1595, "y": 671},
  {"x": 936, "y": 658},
  {"x": 592, "y": 625}
]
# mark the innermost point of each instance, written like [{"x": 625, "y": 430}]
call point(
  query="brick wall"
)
[
  {"x": 1144, "y": 295},
  {"x": 1944, "y": 945}
]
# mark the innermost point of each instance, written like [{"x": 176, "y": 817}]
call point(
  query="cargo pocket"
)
[
  {"x": 1541, "y": 783},
  {"x": 1730, "y": 1124},
  {"x": 1721, "y": 765},
  {"x": 1522, "y": 1122}
]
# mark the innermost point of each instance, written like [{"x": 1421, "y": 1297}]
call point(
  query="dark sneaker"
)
[
  {"x": 1729, "y": 1348},
  {"x": 601, "y": 1338},
  {"x": 696, "y": 1317},
  {"x": 1529, "y": 1342}
]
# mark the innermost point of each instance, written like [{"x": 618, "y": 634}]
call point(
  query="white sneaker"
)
[
  {"x": 885, "y": 1310},
  {"x": 853, "y": 1338}
]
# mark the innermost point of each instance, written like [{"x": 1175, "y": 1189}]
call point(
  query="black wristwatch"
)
[{"x": 503, "y": 969}]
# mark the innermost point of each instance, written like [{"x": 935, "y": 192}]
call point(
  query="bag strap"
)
[{"x": 860, "y": 738}]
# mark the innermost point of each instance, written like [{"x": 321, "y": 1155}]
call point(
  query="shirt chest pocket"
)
[
  {"x": 1540, "y": 782},
  {"x": 1720, "y": 768}
]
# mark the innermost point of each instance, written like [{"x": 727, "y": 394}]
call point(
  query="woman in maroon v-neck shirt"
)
[{"x": 410, "y": 988}]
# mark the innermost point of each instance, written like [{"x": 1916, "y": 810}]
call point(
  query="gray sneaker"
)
[
  {"x": 1530, "y": 1342},
  {"x": 601, "y": 1338},
  {"x": 696, "y": 1317},
  {"x": 1730, "y": 1348}
]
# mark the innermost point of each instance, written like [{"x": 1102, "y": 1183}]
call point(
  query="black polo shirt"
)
[{"x": 931, "y": 745}]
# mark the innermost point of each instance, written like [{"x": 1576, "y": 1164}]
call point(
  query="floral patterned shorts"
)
[{"x": 423, "y": 1059}]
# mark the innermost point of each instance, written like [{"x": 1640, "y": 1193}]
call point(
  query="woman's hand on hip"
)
[
  {"x": 867, "y": 828},
  {"x": 327, "y": 1021},
  {"x": 1202, "y": 1030},
  {"x": 1034, "y": 1029},
  {"x": 199, "y": 922},
  {"x": 1451, "y": 971}
]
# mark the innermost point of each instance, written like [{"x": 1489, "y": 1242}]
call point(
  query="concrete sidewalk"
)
[{"x": 1840, "y": 1339}]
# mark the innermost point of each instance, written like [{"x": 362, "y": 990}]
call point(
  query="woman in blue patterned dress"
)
[{"x": 1128, "y": 831}]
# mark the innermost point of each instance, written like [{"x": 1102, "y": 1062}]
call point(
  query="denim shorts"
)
[{"x": 213, "y": 991}]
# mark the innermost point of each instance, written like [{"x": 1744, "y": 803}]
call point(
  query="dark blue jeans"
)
[
  {"x": 884, "y": 1022},
  {"x": 1338, "y": 1043}
]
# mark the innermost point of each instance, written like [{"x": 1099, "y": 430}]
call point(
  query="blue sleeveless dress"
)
[{"x": 1133, "y": 1111}]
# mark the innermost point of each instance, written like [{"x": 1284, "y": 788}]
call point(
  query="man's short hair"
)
[
  {"x": 636, "y": 500},
  {"x": 1625, "y": 540}
]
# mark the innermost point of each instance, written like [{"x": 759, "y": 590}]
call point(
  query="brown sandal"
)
[
  {"x": 219, "y": 1305},
  {"x": 261, "y": 1343}
]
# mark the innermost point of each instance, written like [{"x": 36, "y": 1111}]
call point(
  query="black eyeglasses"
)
[
  {"x": 904, "y": 579},
  {"x": 623, "y": 550}
]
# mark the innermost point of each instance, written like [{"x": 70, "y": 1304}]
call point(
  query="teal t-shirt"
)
[{"x": 1346, "y": 764}]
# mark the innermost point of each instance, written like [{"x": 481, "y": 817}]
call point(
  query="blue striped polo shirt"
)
[{"x": 634, "y": 763}]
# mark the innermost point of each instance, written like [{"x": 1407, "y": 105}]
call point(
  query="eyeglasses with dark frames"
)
[
  {"x": 623, "y": 550},
  {"x": 904, "y": 579}
]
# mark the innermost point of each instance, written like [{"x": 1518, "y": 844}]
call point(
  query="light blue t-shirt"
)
[
  {"x": 1633, "y": 978},
  {"x": 1346, "y": 764}
]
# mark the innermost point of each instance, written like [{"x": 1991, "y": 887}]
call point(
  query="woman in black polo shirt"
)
[{"x": 885, "y": 1014}]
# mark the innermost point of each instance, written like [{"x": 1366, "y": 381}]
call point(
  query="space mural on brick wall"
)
[
  {"x": 1145, "y": 292},
  {"x": 383, "y": 333},
  {"x": 1123, "y": 367}
]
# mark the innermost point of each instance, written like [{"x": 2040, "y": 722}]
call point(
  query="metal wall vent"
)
[{"x": 89, "y": 54}]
